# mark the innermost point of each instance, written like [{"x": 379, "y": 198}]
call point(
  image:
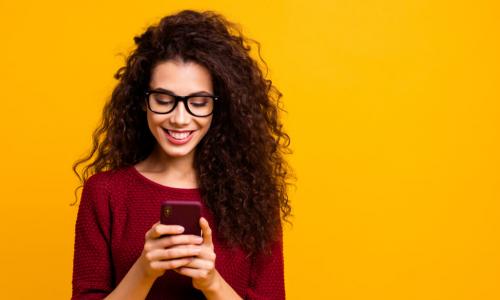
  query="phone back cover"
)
[{"x": 184, "y": 213}]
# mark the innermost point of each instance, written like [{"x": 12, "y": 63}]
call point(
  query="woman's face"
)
[{"x": 178, "y": 132}]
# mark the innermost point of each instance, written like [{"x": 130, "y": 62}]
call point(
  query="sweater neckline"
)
[{"x": 162, "y": 186}]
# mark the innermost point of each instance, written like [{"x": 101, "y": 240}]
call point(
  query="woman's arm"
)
[
  {"x": 92, "y": 271},
  {"x": 92, "y": 274},
  {"x": 135, "y": 285},
  {"x": 220, "y": 290}
]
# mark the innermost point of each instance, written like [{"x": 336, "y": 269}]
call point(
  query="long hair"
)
[{"x": 240, "y": 165}]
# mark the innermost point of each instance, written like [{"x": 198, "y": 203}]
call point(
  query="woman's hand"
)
[
  {"x": 202, "y": 267},
  {"x": 188, "y": 255},
  {"x": 170, "y": 252}
]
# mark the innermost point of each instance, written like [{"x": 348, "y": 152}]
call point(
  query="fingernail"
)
[{"x": 180, "y": 229}]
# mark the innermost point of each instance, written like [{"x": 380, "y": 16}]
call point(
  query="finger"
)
[
  {"x": 158, "y": 230},
  {"x": 193, "y": 273},
  {"x": 198, "y": 263},
  {"x": 172, "y": 241},
  {"x": 172, "y": 253},
  {"x": 206, "y": 253},
  {"x": 206, "y": 232},
  {"x": 181, "y": 239},
  {"x": 170, "y": 264}
]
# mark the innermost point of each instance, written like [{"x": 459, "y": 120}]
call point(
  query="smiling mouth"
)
[{"x": 178, "y": 135}]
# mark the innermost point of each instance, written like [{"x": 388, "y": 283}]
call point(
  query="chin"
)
[{"x": 176, "y": 153}]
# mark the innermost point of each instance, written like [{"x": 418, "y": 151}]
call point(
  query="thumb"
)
[{"x": 206, "y": 231}]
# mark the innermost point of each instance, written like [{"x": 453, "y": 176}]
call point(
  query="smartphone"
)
[{"x": 184, "y": 213}]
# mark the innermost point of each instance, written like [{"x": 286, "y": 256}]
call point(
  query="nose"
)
[{"x": 180, "y": 115}]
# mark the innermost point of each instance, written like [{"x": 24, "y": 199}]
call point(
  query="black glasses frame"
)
[{"x": 178, "y": 99}]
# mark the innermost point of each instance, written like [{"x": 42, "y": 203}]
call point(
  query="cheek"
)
[
  {"x": 207, "y": 124},
  {"x": 153, "y": 122},
  {"x": 153, "y": 119}
]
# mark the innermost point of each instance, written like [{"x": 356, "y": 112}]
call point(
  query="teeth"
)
[{"x": 179, "y": 135}]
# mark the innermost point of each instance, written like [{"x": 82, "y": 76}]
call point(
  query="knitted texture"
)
[{"x": 118, "y": 207}]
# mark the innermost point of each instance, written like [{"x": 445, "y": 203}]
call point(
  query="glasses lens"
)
[
  {"x": 161, "y": 103},
  {"x": 201, "y": 105}
]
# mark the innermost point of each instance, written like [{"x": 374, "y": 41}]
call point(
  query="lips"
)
[{"x": 178, "y": 137}]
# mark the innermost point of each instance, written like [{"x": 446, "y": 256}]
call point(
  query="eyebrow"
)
[{"x": 170, "y": 92}]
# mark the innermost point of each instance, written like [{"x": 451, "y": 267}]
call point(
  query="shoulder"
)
[
  {"x": 106, "y": 179},
  {"x": 104, "y": 184}
]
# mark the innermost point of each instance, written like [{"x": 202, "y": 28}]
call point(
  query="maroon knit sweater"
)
[{"x": 118, "y": 207}]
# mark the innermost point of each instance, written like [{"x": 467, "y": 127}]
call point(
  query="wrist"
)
[
  {"x": 219, "y": 289},
  {"x": 146, "y": 273},
  {"x": 215, "y": 285}
]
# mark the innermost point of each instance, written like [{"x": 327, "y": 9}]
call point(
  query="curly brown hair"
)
[{"x": 240, "y": 164}]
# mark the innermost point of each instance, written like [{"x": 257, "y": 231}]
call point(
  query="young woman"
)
[{"x": 192, "y": 118}]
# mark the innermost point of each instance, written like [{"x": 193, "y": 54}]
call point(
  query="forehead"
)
[{"x": 181, "y": 77}]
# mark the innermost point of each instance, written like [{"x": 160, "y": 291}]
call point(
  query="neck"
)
[{"x": 172, "y": 171}]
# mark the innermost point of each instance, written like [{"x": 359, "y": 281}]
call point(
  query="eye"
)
[
  {"x": 163, "y": 99},
  {"x": 199, "y": 101}
]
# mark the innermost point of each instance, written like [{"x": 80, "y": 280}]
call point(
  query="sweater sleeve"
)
[
  {"x": 267, "y": 279},
  {"x": 92, "y": 269}
]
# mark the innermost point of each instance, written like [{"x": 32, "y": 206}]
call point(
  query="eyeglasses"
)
[{"x": 162, "y": 102}]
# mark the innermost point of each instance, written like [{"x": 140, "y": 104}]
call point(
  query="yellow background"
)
[{"x": 393, "y": 109}]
